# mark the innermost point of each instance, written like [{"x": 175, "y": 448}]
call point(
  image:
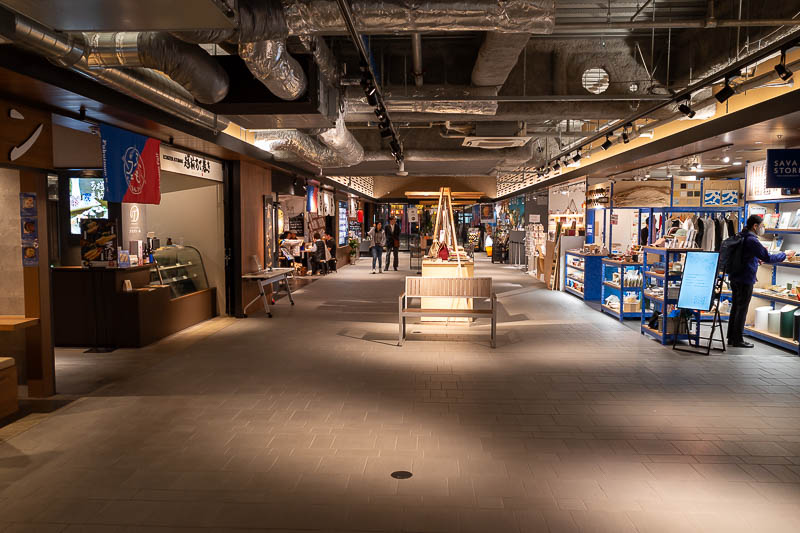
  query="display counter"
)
[
  {"x": 622, "y": 289},
  {"x": 92, "y": 309}
]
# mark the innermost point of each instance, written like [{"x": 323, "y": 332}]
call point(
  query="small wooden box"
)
[
  {"x": 633, "y": 307},
  {"x": 8, "y": 387}
]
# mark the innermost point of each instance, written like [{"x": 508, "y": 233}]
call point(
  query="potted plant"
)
[{"x": 354, "y": 246}]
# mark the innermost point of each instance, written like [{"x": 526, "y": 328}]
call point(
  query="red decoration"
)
[
  {"x": 360, "y": 216},
  {"x": 443, "y": 253}
]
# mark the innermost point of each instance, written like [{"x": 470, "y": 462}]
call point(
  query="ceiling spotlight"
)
[
  {"x": 380, "y": 112},
  {"x": 625, "y": 137},
  {"x": 726, "y": 159},
  {"x": 396, "y": 148},
  {"x": 576, "y": 157},
  {"x": 686, "y": 110},
  {"x": 725, "y": 93},
  {"x": 372, "y": 95},
  {"x": 556, "y": 166},
  {"x": 783, "y": 73},
  {"x": 385, "y": 128},
  {"x": 607, "y": 144}
]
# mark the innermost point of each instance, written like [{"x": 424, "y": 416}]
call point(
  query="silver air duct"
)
[
  {"x": 497, "y": 57},
  {"x": 323, "y": 57},
  {"x": 145, "y": 85},
  {"x": 187, "y": 64},
  {"x": 305, "y": 17},
  {"x": 272, "y": 65},
  {"x": 427, "y": 99},
  {"x": 503, "y": 156},
  {"x": 342, "y": 149}
]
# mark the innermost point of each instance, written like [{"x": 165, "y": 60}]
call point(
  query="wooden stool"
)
[{"x": 8, "y": 387}]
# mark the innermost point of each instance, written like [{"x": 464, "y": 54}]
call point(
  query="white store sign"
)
[{"x": 173, "y": 160}]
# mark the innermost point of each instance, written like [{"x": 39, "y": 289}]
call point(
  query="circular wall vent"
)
[{"x": 595, "y": 80}]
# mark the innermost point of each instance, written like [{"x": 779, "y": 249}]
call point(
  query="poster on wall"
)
[
  {"x": 413, "y": 215},
  {"x": 487, "y": 214},
  {"x": 29, "y": 229},
  {"x": 130, "y": 166}
]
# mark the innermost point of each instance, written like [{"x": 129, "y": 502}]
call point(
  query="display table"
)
[
  {"x": 446, "y": 269},
  {"x": 15, "y": 322},
  {"x": 265, "y": 278}
]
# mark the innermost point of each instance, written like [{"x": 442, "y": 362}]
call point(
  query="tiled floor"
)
[{"x": 574, "y": 423}]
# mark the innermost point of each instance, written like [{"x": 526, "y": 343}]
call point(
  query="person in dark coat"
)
[
  {"x": 742, "y": 281},
  {"x": 392, "y": 241}
]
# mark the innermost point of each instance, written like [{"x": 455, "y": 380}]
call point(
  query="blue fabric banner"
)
[{"x": 130, "y": 166}]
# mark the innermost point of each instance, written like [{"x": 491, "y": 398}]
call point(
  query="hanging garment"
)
[
  {"x": 687, "y": 224},
  {"x": 698, "y": 239},
  {"x": 708, "y": 237},
  {"x": 717, "y": 234},
  {"x": 731, "y": 227}
]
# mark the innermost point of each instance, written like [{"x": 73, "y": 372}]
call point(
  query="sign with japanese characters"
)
[{"x": 179, "y": 162}]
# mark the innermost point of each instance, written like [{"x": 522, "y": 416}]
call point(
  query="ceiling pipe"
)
[
  {"x": 145, "y": 85},
  {"x": 272, "y": 65},
  {"x": 674, "y": 24},
  {"x": 416, "y": 53},
  {"x": 187, "y": 64}
]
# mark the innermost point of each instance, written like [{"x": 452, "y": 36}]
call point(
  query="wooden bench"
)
[
  {"x": 8, "y": 387},
  {"x": 453, "y": 288}
]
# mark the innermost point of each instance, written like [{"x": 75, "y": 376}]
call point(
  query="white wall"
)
[
  {"x": 12, "y": 295},
  {"x": 196, "y": 216}
]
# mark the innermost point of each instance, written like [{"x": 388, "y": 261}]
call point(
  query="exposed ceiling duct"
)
[
  {"x": 505, "y": 157},
  {"x": 271, "y": 63},
  {"x": 142, "y": 84},
  {"x": 497, "y": 57},
  {"x": 396, "y": 16},
  {"x": 340, "y": 148},
  {"x": 187, "y": 64},
  {"x": 416, "y": 100}
]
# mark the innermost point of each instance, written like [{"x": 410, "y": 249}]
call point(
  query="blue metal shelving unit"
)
[
  {"x": 590, "y": 288},
  {"x": 609, "y": 287},
  {"x": 664, "y": 303}
]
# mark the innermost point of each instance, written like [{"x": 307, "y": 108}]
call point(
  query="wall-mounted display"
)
[
  {"x": 686, "y": 193},
  {"x": 86, "y": 200},
  {"x": 638, "y": 194}
]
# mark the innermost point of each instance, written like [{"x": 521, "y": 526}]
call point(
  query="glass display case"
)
[{"x": 179, "y": 267}]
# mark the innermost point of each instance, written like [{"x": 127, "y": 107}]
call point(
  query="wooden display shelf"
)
[
  {"x": 576, "y": 292},
  {"x": 786, "y": 230},
  {"x": 772, "y": 338},
  {"x": 575, "y": 267},
  {"x": 793, "y": 301},
  {"x": 15, "y": 322}
]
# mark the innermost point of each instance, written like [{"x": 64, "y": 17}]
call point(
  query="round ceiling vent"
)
[{"x": 595, "y": 80}]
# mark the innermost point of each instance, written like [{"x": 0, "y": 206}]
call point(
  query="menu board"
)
[
  {"x": 297, "y": 225},
  {"x": 86, "y": 200},
  {"x": 697, "y": 285},
  {"x": 99, "y": 242}
]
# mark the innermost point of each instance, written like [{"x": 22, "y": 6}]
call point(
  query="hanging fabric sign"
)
[
  {"x": 130, "y": 166},
  {"x": 312, "y": 193},
  {"x": 783, "y": 168}
]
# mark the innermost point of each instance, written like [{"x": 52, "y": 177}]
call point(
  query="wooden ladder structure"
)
[{"x": 444, "y": 230}]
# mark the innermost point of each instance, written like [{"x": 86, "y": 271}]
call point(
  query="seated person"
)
[
  {"x": 330, "y": 242},
  {"x": 290, "y": 245},
  {"x": 317, "y": 249}
]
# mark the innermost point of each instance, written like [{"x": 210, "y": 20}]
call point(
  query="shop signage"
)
[
  {"x": 29, "y": 222},
  {"x": 615, "y": 219},
  {"x": 783, "y": 168},
  {"x": 26, "y": 137},
  {"x": 413, "y": 215},
  {"x": 534, "y": 219},
  {"x": 179, "y": 162},
  {"x": 130, "y": 166}
]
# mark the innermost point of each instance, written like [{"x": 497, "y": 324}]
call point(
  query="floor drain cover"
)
[{"x": 401, "y": 474}]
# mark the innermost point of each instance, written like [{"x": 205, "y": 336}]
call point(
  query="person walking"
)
[
  {"x": 744, "y": 277},
  {"x": 392, "y": 241},
  {"x": 377, "y": 239}
]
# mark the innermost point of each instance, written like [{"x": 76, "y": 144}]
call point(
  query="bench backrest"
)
[{"x": 449, "y": 287}]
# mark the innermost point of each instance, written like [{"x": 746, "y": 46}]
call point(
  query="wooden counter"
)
[
  {"x": 15, "y": 322},
  {"x": 433, "y": 269},
  {"x": 91, "y": 309}
]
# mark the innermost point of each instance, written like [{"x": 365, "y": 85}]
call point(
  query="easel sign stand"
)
[{"x": 701, "y": 289}]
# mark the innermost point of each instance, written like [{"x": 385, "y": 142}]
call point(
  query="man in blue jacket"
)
[{"x": 753, "y": 254}]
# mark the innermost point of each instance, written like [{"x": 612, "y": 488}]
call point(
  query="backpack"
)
[{"x": 730, "y": 254}]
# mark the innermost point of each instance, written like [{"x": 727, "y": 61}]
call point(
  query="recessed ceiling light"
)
[
  {"x": 726, "y": 159},
  {"x": 737, "y": 163},
  {"x": 759, "y": 142}
]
